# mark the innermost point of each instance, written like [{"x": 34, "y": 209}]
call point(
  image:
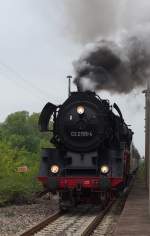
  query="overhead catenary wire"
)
[
  {"x": 35, "y": 96},
  {"x": 23, "y": 81}
]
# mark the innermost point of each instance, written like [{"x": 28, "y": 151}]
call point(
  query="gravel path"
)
[{"x": 15, "y": 219}]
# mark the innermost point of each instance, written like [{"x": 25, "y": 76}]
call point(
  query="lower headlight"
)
[
  {"x": 104, "y": 169},
  {"x": 55, "y": 169}
]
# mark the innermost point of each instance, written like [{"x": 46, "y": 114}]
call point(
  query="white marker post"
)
[
  {"x": 148, "y": 157},
  {"x": 147, "y": 139}
]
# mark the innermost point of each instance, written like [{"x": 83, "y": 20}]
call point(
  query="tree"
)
[{"x": 20, "y": 143}]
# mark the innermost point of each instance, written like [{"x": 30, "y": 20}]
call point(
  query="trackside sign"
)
[{"x": 22, "y": 169}]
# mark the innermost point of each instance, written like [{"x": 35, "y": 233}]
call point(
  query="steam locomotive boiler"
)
[{"x": 91, "y": 159}]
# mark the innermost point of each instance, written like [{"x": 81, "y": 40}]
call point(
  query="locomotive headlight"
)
[
  {"x": 54, "y": 169},
  {"x": 80, "y": 110},
  {"x": 104, "y": 169}
]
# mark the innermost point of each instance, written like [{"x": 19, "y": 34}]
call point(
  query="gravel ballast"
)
[{"x": 14, "y": 220}]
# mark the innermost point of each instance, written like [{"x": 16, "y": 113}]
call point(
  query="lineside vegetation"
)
[{"x": 20, "y": 143}]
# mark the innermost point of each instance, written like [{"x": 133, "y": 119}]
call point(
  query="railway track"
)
[{"x": 81, "y": 221}]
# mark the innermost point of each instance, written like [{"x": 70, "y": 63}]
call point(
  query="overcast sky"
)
[{"x": 36, "y": 54}]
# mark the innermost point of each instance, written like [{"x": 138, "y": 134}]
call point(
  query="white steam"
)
[{"x": 87, "y": 84}]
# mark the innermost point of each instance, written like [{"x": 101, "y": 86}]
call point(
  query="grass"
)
[{"x": 141, "y": 170}]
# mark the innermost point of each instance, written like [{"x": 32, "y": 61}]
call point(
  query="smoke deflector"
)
[{"x": 45, "y": 116}]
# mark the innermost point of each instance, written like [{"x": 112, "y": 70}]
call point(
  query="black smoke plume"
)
[{"x": 114, "y": 65}]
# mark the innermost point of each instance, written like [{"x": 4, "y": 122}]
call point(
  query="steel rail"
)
[
  {"x": 92, "y": 226},
  {"x": 42, "y": 224}
]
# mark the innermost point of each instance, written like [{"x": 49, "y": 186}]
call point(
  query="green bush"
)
[
  {"x": 15, "y": 186},
  {"x": 20, "y": 143},
  {"x": 19, "y": 187}
]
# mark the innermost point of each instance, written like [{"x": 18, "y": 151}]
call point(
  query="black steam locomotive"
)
[{"x": 92, "y": 156}]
